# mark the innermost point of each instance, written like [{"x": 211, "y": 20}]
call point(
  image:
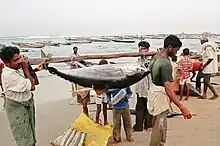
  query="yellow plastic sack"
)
[{"x": 97, "y": 135}]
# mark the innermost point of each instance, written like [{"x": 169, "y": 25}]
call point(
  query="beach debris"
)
[
  {"x": 71, "y": 137},
  {"x": 96, "y": 134}
]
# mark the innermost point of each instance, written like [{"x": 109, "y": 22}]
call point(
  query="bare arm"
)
[
  {"x": 25, "y": 67},
  {"x": 207, "y": 62},
  {"x": 28, "y": 75},
  {"x": 171, "y": 95}
]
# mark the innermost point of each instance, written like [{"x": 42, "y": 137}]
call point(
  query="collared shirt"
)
[
  {"x": 15, "y": 85},
  {"x": 143, "y": 85},
  {"x": 185, "y": 66}
]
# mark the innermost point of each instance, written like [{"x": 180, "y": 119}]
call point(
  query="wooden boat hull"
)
[
  {"x": 100, "y": 40},
  {"x": 109, "y": 76},
  {"x": 28, "y": 45}
]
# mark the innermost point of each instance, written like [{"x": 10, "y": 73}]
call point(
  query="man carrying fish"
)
[
  {"x": 18, "y": 83},
  {"x": 143, "y": 118},
  {"x": 161, "y": 90}
]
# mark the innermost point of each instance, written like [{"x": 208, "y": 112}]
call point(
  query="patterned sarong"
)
[{"x": 21, "y": 117}]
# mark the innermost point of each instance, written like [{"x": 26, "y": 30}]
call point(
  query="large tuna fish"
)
[{"x": 108, "y": 76}]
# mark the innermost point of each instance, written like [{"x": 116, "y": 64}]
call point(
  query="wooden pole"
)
[{"x": 86, "y": 57}]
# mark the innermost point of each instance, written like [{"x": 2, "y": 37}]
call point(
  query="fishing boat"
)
[
  {"x": 123, "y": 41},
  {"x": 66, "y": 43},
  {"x": 99, "y": 40},
  {"x": 81, "y": 42},
  {"x": 28, "y": 45},
  {"x": 2, "y": 45},
  {"x": 49, "y": 43},
  {"x": 75, "y": 38}
]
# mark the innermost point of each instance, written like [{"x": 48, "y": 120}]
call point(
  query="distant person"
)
[
  {"x": 75, "y": 51},
  {"x": 185, "y": 67},
  {"x": 196, "y": 65},
  {"x": 101, "y": 100},
  {"x": 2, "y": 94},
  {"x": 18, "y": 83},
  {"x": 175, "y": 74},
  {"x": 73, "y": 65},
  {"x": 119, "y": 98},
  {"x": 143, "y": 120},
  {"x": 161, "y": 90},
  {"x": 209, "y": 67}
]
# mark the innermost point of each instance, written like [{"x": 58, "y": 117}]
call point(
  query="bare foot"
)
[
  {"x": 114, "y": 143},
  {"x": 214, "y": 97},
  {"x": 99, "y": 122},
  {"x": 202, "y": 97},
  {"x": 105, "y": 123},
  {"x": 187, "y": 99},
  {"x": 149, "y": 129},
  {"x": 131, "y": 140}
]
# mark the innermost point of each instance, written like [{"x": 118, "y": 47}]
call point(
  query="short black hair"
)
[
  {"x": 103, "y": 61},
  {"x": 75, "y": 48},
  {"x": 172, "y": 41},
  {"x": 174, "y": 58},
  {"x": 8, "y": 52},
  {"x": 143, "y": 44},
  {"x": 186, "y": 51}
]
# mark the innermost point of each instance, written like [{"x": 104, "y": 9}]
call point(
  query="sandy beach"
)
[{"x": 54, "y": 115}]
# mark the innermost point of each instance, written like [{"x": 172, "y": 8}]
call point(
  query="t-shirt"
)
[
  {"x": 123, "y": 103},
  {"x": 161, "y": 71}
]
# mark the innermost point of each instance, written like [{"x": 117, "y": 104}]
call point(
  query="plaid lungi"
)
[{"x": 21, "y": 117}]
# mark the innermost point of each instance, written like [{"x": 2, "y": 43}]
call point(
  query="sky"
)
[{"x": 107, "y": 17}]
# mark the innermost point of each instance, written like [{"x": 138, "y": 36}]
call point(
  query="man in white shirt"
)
[
  {"x": 143, "y": 119},
  {"x": 18, "y": 83},
  {"x": 210, "y": 66}
]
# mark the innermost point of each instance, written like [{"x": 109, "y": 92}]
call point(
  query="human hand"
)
[
  {"x": 100, "y": 91},
  {"x": 159, "y": 49},
  {"x": 24, "y": 62},
  {"x": 109, "y": 103},
  {"x": 202, "y": 68},
  {"x": 186, "y": 113}
]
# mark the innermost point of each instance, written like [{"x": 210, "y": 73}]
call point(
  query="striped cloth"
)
[
  {"x": 185, "y": 66},
  {"x": 21, "y": 117}
]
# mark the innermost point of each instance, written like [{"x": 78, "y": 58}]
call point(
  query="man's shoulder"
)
[{"x": 163, "y": 62}]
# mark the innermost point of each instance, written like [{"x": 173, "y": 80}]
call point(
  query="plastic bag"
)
[{"x": 97, "y": 135}]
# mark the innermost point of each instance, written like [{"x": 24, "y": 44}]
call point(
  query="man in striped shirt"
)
[{"x": 185, "y": 67}]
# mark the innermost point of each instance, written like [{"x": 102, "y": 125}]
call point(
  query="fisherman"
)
[
  {"x": 101, "y": 99},
  {"x": 175, "y": 74},
  {"x": 2, "y": 94},
  {"x": 185, "y": 67},
  {"x": 209, "y": 67},
  {"x": 143, "y": 118},
  {"x": 17, "y": 84},
  {"x": 161, "y": 89},
  {"x": 74, "y": 66},
  {"x": 119, "y": 98},
  {"x": 196, "y": 65}
]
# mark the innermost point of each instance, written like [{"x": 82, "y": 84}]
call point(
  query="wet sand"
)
[{"x": 54, "y": 115}]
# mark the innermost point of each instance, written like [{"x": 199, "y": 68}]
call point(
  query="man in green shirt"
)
[{"x": 161, "y": 90}]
